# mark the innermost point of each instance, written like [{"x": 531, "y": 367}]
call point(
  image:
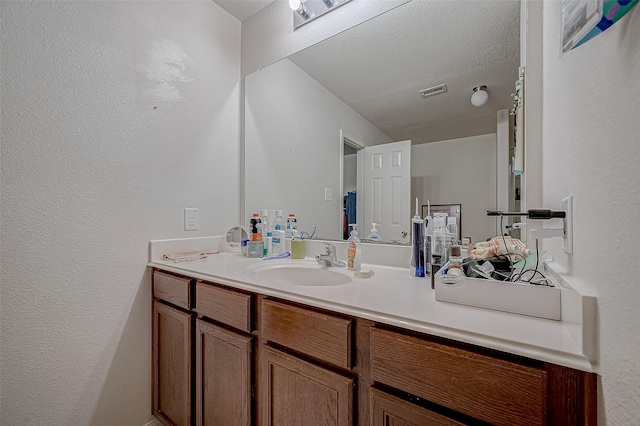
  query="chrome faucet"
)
[{"x": 329, "y": 257}]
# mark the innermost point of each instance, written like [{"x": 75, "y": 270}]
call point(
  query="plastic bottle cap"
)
[
  {"x": 255, "y": 215},
  {"x": 451, "y": 220},
  {"x": 456, "y": 250}
]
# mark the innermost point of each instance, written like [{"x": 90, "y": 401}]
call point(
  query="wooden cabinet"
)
[
  {"x": 387, "y": 410},
  {"x": 486, "y": 387},
  {"x": 229, "y": 357},
  {"x": 202, "y": 372},
  {"x": 225, "y": 306},
  {"x": 316, "y": 334},
  {"x": 171, "y": 364},
  {"x": 295, "y": 392},
  {"x": 223, "y": 376}
]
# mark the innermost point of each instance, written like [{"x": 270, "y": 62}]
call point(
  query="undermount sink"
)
[{"x": 307, "y": 274}]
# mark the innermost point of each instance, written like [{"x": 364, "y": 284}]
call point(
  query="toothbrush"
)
[{"x": 278, "y": 256}]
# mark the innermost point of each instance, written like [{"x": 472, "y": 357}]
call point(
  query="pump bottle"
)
[{"x": 373, "y": 235}]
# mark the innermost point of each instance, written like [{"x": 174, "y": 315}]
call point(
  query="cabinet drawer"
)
[
  {"x": 173, "y": 289},
  {"x": 227, "y": 306},
  {"x": 490, "y": 389},
  {"x": 389, "y": 410},
  {"x": 316, "y": 334}
]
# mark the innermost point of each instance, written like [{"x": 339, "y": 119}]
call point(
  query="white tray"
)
[{"x": 518, "y": 298}]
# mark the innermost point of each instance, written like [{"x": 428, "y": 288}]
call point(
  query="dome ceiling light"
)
[{"x": 480, "y": 96}]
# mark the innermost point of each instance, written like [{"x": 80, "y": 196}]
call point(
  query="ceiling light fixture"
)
[
  {"x": 297, "y": 6},
  {"x": 308, "y": 10},
  {"x": 480, "y": 96}
]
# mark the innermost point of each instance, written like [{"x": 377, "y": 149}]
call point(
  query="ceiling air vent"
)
[{"x": 441, "y": 88}]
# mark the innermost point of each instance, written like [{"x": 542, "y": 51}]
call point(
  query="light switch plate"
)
[
  {"x": 191, "y": 219},
  {"x": 328, "y": 194}
]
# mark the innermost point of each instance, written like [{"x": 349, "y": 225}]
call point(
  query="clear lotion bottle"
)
[{"x": 354, "y": 250}]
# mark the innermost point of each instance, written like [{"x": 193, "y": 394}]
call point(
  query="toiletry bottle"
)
[
  {"x": 373, "y": 235},
  {"x": 292, "y": 225},
  {"x": 255, "y": 228},
  {"x": 279, "y": 221},
  {"x": 354, "y": 250},
  {"x": 269, "y": 249},
  {"x": 417, "y": 245},
  {"x": 277, "y": 240},
  {"x": 452, "y": 229},
  {"x": 264, "y": 218},
  {"x": 439, "y": 247}
]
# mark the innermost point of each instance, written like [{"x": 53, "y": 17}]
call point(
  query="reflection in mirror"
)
[
  {"x": 361, "y": 87},
  {"x": 234, "y": 237}
]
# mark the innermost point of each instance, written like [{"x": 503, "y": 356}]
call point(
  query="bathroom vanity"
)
[{"x": 230, "y": 349}]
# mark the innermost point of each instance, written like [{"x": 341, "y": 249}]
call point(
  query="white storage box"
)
[{"x": 518, "y": 298}]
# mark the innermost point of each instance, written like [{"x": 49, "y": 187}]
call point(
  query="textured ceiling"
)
[
  {"x": 242, "y": 9},
  {"x": 378, "y": 67}
]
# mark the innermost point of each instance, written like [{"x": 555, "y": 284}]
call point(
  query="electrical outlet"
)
[
  {"x": 328, "y": 194},
  {"x": 191, "y": 220},
  {"x": 567, "y": 240}
]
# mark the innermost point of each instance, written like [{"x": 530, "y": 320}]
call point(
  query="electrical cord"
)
[
  {"x": 506, "y": 248},
  {"x": 535, "y": 272}
]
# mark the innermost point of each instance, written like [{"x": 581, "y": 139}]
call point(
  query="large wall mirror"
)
[{"x": 313, "y": 119}]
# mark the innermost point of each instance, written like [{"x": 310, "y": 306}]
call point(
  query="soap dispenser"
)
[
  {"x": 373, "y": 235},
  {"x": 354, "y": 250}
]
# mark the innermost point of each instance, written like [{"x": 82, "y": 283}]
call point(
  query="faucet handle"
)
[{"x": 330, "y": 248}]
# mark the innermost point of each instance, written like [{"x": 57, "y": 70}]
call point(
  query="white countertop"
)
[{"x": 395, "y": 298}]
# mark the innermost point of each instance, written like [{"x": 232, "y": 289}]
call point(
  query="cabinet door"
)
[
  {"x": 295, "y": 392},
  {"x": 223, "y": 376},
  {"x": 171, "y": 364},
  {"x": 387, "y": 410}
]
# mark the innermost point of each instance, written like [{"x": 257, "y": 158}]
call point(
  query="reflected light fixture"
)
[
  {"x": 479, "y": 96},
  {"x": 308, "y": 10},
  {"x": 300, "y": 8}
]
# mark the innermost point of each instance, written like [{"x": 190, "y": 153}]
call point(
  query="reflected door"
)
[{"x": 387, "y": 190}]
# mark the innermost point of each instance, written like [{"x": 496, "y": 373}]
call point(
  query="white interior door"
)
[{"x": 387, "y": 190}]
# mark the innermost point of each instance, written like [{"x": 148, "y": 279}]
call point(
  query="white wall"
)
[
  {"x": 115, "y": 116},
  {"x": 292, "y": 151},
  {"x": 459, "y": 171},
  {"x": 592, "y": 151}
]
